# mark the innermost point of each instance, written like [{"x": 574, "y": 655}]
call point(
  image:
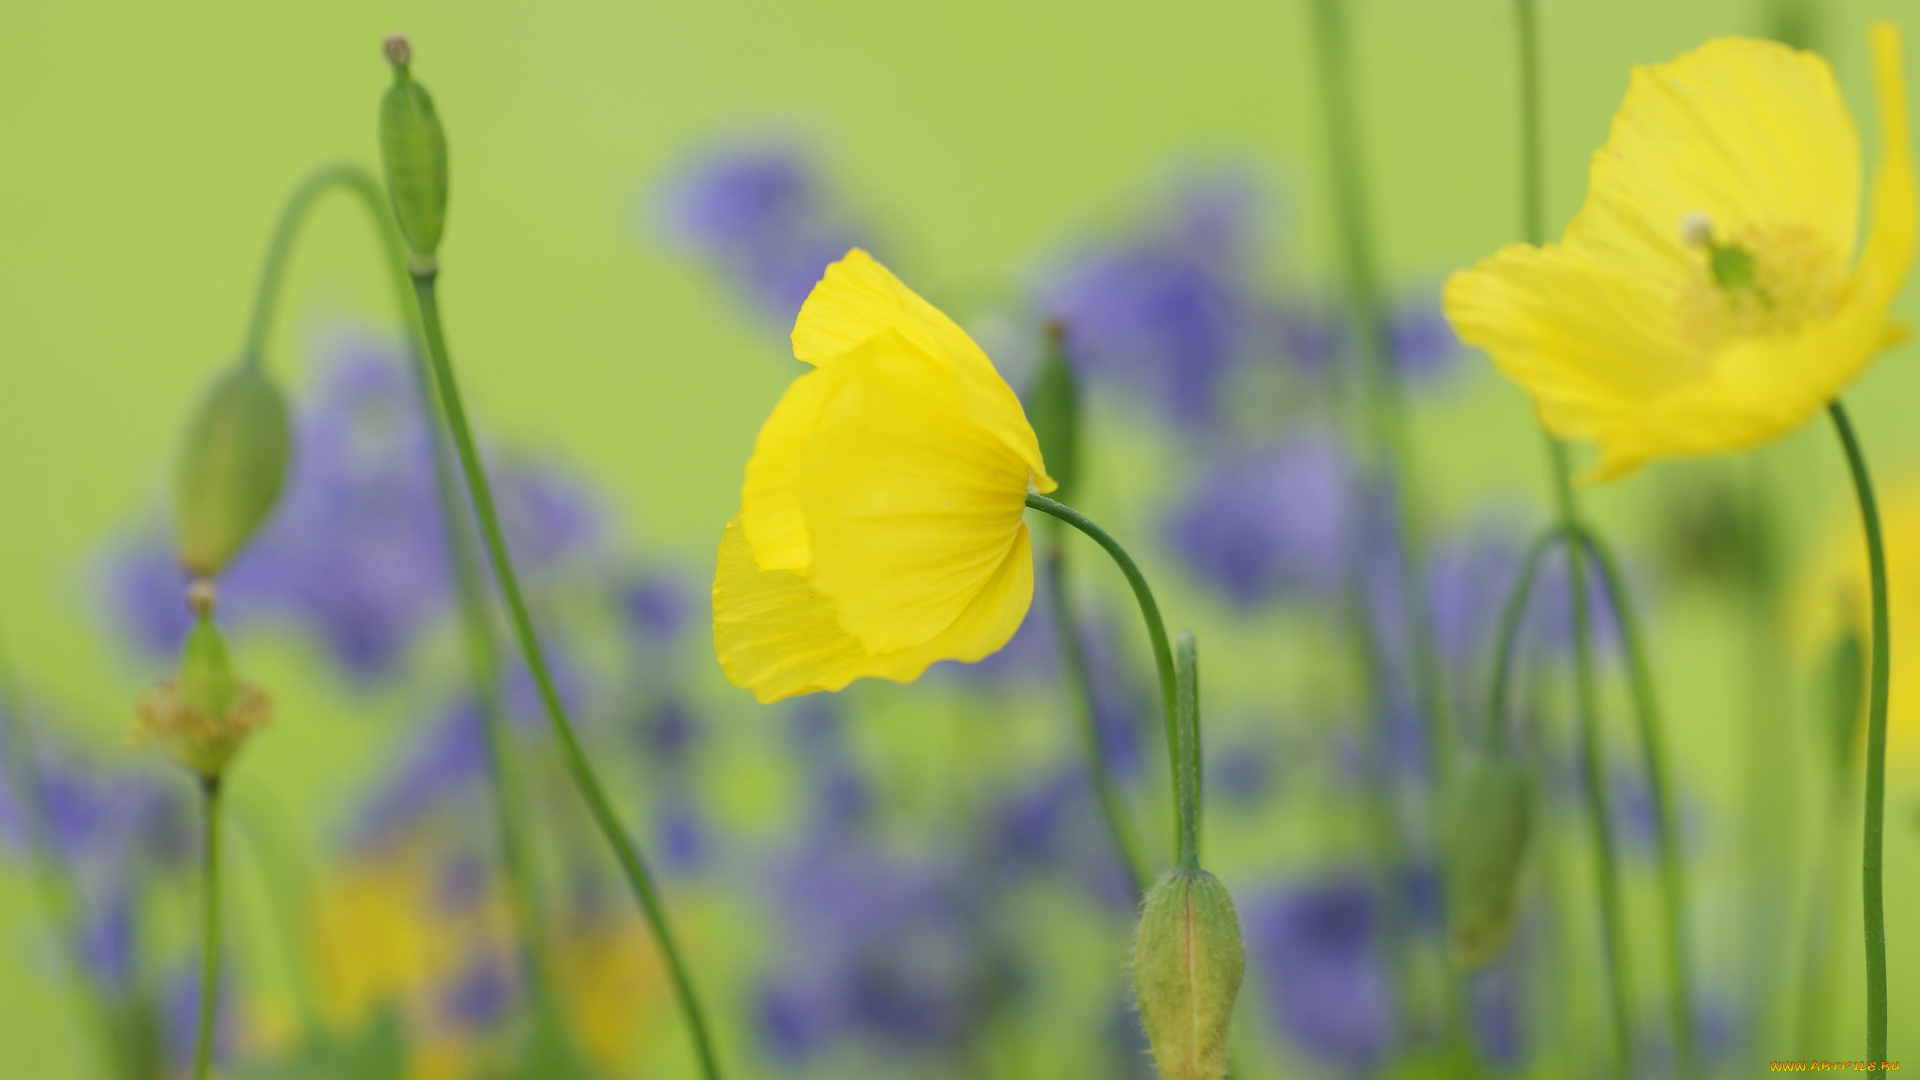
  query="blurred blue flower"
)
[
  {"x": 764, "y": 215},
  {"x": 1317, "y": 946},
  {"x": 1314, "y": 335},
  {"x": 879, "y": 949},
  {"x": 1167, "y": 312},
  {"x": 1269, "y": 521},
  {"x": 356, "y": 550},
  {"x": 480, "y": 997},
  {"x": 656, "y": 608}
]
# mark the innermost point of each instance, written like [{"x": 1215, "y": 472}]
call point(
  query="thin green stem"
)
[
  {"x": 209, "y": 931},
  {"x": 1872, "y": 899},
  {"x": 625, "y": 851},
  {"x": 1073, "y": 658},
  {"x": 1593, "y": 774},
  {"x": 482, "y": 659},
  {"x": 1150, "y": 614},
  {"x": 1507, "y": 641},
  {"x": 52, "y": 876},
  {"x": 1382, "y": 404},
  {"x": 1666, "y": 816},
  {"x": 1533, "y": 224},
  {"x": 1186, "y": 664}
]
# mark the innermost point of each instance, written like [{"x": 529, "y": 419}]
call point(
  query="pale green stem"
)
[
  {"x": 1872, "y": 899},
  {"x": 1507, "y": 640},
  {"x": 1186, "y": 665},
  {"x": 483, "y": 664},
  {"x": 632, "y": 865},
  {"x": 1073, "y": 658},
  {"x": 1156, "y": 633},
  {"x": 1666, "y": 815},
  {"x": 209, "y": 931}
]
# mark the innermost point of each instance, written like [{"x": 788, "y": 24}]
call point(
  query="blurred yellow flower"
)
[
  {"x": 1701, "y": 301},
  {"x": 880, "y": 525},
  {"x": 1833, "y": 598}
]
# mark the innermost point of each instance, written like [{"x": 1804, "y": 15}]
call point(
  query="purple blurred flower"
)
[
  {"x": 480, "y": 997},
  {"x": 1270, "y": 521},
  {"x": 356, "y": 550},
  {"x": 762, "y": 213},
  {"x": 1318, "y": 947},
  {"x": 656, "y": 607},
  {"x": 1169, "y": 311},
  {"x": 1314, "y": 335}
]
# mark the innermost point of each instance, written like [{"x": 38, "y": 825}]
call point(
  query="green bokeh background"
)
[{"x": 147, "y": 149}]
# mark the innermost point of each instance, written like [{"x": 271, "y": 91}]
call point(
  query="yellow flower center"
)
[{"x": 1764, "y": 280}]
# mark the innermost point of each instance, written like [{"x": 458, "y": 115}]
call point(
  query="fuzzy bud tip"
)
[
  {"x": 201, "y": 597},
  {"x": 398, "y": 50}
]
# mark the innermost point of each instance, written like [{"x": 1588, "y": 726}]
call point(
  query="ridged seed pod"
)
[{"x": 413, "y": 151}]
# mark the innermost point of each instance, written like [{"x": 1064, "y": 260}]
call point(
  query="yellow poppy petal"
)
[
  {"x": 910, "y": 505},
  {"x": 858, "y": 299},
  {"x": 1888, "y": 254},
  {"x": 777, "y": 637},
  {"x": 1749, "y": 132},
  {"x": 770, "y": 497}
]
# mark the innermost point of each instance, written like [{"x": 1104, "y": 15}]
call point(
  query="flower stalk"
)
[
  {"x": 1872, "y": 898},
  {"x": 209, "y": 928}
]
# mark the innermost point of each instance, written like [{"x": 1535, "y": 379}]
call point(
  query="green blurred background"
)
[{"x": 147, "y": 149}]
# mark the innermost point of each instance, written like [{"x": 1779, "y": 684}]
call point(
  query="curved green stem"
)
[
  {"x": 1073, "y": 657},
  {"x": 482, "y": 660},
  {"x": 632, "y": 865},
  {"x": 1673, "y": 878},
  {"x": 1533, "y": 223},
  {"x": 1593, "y": 774},
  {"x": 52, "y": 876},
  {"x": 1506, "y": 643},
  {"x": 209, "y": 931},
  {"x": 1872, "y": 899},
  {"x": 1156, "y": 629}
]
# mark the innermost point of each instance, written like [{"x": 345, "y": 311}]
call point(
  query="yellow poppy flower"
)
[
  {"x": 1833, "y": 597},
  {"x": 880, "y": 525},
  {"x": 1701, "y": 301}
]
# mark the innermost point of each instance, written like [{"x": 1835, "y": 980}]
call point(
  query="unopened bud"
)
[
  {"x": 203, "y": 716},
  {"x": 1053, "y": 408},
  {"x": 413, "y": 150},
  {"x": 232, "y": 466},
  {"x": 1187, "y": 964},
  {"x": 1484, "y": 827}
]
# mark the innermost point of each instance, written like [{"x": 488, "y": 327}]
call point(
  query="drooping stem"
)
[
  {"x": 1380, "y": 397},
  {"x": 1673, "y": 878},
  {"x": 209, "y": 930},
  {"x": 53, "y": 877},
  {"x": 483, "y": 663},
  {"x": 1149, "y": 613},
  {"x": 1606, "y": 869},
  {"x": 1872, "y": 900},
  {"x": 1507, "y": 640},
  {"x": 632, "y": 864},
  {"x": 1073, "y": 658},
  {"x": 1533, "y": 226},
  {"x": 1186, "y": 663}
]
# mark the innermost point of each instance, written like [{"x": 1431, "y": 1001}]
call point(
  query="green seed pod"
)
[
  {"x": 1484, "y": 827},
  {"x": 413, "y": 150},
  {"x": 203, "y": 716},
  {"x": 1186, "y": 973},
  {"x": 1053, "y": 407},
  {"x": 231, "y": 469}
]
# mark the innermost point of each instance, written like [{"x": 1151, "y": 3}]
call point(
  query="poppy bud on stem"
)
[
  {"x": 232, "y": 466},
  {"x": 414, "y": 150}
]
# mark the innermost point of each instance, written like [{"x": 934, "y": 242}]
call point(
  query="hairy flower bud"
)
[
  {"x": 413, "y": 150},
  {"x": 231, "y": 469},
  {"x": 203, "y": 715},
  {"x": 1186, "y": 973},
  {"x": 1484, "y": 827}
]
